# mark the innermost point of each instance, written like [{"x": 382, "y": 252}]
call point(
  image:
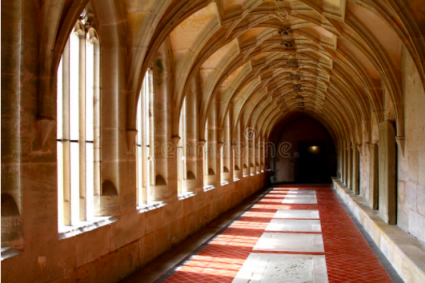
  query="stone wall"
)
[
  {"x": 113, "y": 251},
  {"x": 410, "y": 154}
]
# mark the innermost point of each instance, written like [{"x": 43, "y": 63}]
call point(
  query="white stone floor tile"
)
[
  {"x": 294, "y": 192},
  {"x": 294, "y": 213},
  {"x": 289, "y": 242},
  {"x": 283, "y": 268},
  {"x": 299, "y": 196},
  {"x": 285, "y": 225},
  {"x": 311, "y": 200}
]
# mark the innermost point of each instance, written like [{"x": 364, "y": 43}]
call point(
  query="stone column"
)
[
  {"x": 261, "y": 159},
  {"x": 356, "y": 171},
  {"x": 373, "y": 175},
  {"x": 162, "y": 147},
  {"x": 226, "y": 151},
  {"x": 18, "y": 94},
  {"x": 238, "y": 152},
  {"x": 246, "y": 153},
  {"x": 340, "y": 167},
  {"x": 252, "y": 155},
  {"x": 200, "y": 166},
  {"x": 349, "y": 166},
  {"x": 192, "y": 126},
  {"x": 344, "y": 162},
  {"x": 213, "y": 161},
  {"x": 387, "y": 173}
]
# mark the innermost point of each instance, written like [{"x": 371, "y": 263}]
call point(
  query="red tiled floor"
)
[{"x": 348, "y": 256}]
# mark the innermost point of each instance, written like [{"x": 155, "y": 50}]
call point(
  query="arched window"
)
[
  {"x": 144, "y": 141},
  {"x": 78, "y": 129}
]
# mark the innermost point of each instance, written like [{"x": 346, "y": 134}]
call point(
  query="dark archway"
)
[{"x": 305, "y": 151}]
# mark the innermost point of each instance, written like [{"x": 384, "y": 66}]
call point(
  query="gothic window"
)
[
  {"x": 78, "y": 129},
  {"x": 144, "y": 141}
]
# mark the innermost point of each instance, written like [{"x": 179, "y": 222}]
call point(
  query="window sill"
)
[
  {"x": 186, "y": 195},
  {"x": 8, "y": 252},
  {"x": 85, "y": 226},
  {"x": 208, "y": 188},
  {"x": 225, "y": 183},
  {"x": 151, "y": 206},
  {"x": 245, "y": 176},
  {"x": 236, "y": 179}
]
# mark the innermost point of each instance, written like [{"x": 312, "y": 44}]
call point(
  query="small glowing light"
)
[{"x": 314, "y": 148}]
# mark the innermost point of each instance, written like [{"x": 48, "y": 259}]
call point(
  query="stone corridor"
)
[
  {"x": 290, "y": 233},
  {"x": 149, "y": 140}
]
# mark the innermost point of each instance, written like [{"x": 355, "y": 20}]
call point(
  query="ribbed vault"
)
[
  {"x": 339, "y": 60},
  {"x": 333, "y": 59}
]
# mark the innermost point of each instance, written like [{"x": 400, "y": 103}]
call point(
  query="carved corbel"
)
[
  {"x": 175, "y": 140},
  {"x": 44, "y": 126},
  {"x": 401, "y": 143},
  {"x": 131, "y": 140},
  {"x": 359, "y": 148}
]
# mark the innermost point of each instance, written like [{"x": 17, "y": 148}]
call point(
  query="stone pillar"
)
[
  {"x": 387, "y": 173},
  {"x": 343, "y": 156},
  {"x": 349, "y": 166},
  {"x": 344, "y": 162},
  {"x": 17, "y": 94},
  {"x": 213, "y": 161},
  {"x": 200, "y": 166},
  {"x": 261, "y": 159},
  {"x": 238, "y": 152},
  {"x": 252, "y": 156},
  {"x": 356, "y": 172},
  {"x": 162, "y": 147},
  {"x": 227, "y": 157},
  {"x": 192, "y": 126},
  {"x": 245, "y": 153},
  {"x": 373, "y": 175}
]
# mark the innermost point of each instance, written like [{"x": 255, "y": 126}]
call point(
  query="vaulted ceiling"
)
[
  {"x": 333, "y": 59},
  {"x": 339, "y": 61}
]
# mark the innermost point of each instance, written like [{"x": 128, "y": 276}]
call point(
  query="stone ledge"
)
[
  {"x": 208, "y": 188},
  {"x": 8, "y": 252},
  {"x": 186, "y": 195},
  {"x": 85, "y": 226},
  {"x": 150, "y": 206},
  {"x": 403, "y": 251}
]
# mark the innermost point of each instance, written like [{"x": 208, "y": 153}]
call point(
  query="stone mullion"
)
[
  {"x": 96, "y": 119},
  {"x": 145, "y": 136},
  {"x": 66, "y": 170},
  {"x": 82, "y": 126}
]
